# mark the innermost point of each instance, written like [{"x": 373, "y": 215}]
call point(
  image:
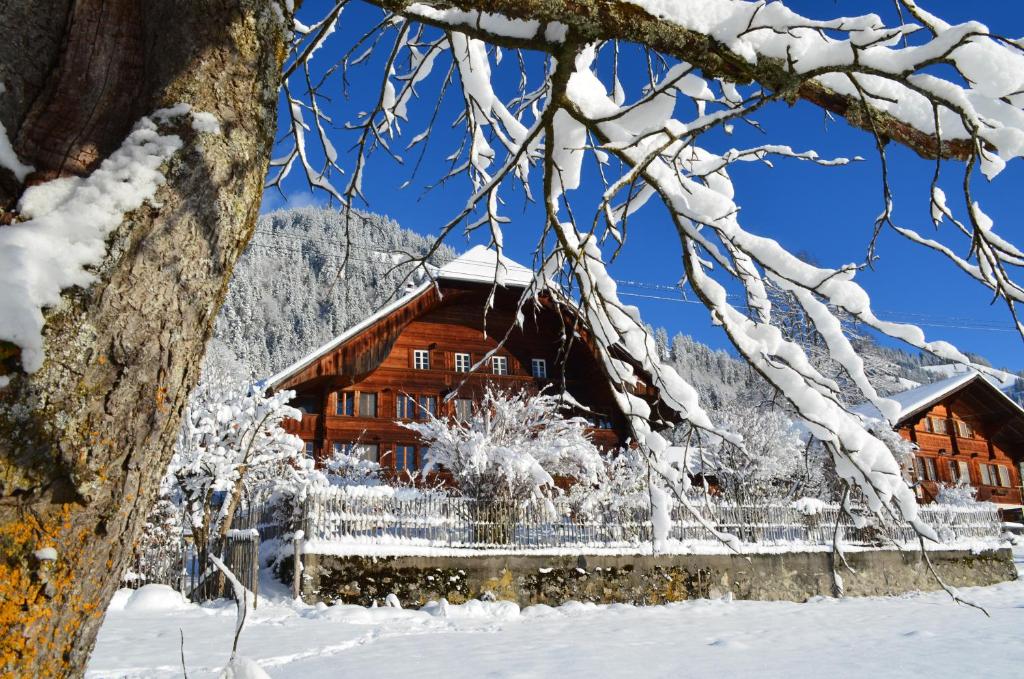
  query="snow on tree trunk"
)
[{"x": 85, "y": 437}]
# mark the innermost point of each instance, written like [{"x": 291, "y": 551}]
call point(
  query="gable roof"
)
[
  {"x": 918, "y": 399},
  {"x": 479, "y": 265}
]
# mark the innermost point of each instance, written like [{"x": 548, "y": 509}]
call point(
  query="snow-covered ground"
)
[{"x": 908, "y": 636}]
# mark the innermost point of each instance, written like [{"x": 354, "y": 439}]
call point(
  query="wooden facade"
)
[
  {"x": 970, "y": 432},
  {"x": 416, "y": 355}
]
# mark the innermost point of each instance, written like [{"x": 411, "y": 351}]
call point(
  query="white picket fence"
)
[{"x": 348, "y": 515}]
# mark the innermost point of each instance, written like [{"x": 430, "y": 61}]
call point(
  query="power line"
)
[{"x": 913, "y": 317}]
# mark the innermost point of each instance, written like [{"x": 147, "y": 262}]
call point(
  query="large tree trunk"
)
[{"x": 84, "y": 441}]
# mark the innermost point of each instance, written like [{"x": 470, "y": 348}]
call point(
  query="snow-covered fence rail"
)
[{"x": 380, "y": 516}]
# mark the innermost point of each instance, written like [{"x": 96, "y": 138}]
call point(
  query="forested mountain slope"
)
[{"x": 293, "y": 289}]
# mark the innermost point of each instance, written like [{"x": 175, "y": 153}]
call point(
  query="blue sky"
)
[{"x": 825, "y": 212}]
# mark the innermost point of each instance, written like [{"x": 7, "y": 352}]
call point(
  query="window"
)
[
  {"x": 958, "y": 471},
  {"x": 925, "y": 467},
  {"x": 463, "y": 409},
  {"x": 424, "y": 456},
  {"x": 538, "y": 367},
  {"x": 428, "y": 405},
  {"x": 405, "y": 458},
  {"x": 367, "y": 404},
  {"x": 939, "y": 425},
  {"x": 339, "y": 448},
  {"x": 405, "y": 407},
  {"x": 995, "y": 475},
  {"x": 499, "y": 365},
  {"x": 309, "y": 448},
  {"x": 346, "y": 403},
  {"x": 926, "y": 424},
  {"x": 604, "y": 423},
  {"x": 421, "y": 359},
  {"x": 963, "y": 430},
  {"x": 462, "y": 363},
  {"x": 1004, "y": 476},
  {"x": 366, "y": 451}
]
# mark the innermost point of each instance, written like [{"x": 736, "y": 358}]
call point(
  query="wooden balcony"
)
[{"x": 999, "y": 495}]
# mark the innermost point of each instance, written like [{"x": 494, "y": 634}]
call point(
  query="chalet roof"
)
[
  {"x": 483, "y": 265},
  {"x": 915, "y": 400},
  {"x": 479, "y": 265}
]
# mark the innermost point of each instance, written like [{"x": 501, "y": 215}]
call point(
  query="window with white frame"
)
[
  {"x": 538, "y": 367},
  {"x": 309, "y": 448},
  {"x": 1004, "y": 476},
  {"x": 963, "y": 430},
  {"x": 462, "y": 363},
  {"x": 499, "y": 365},
  {"x": 421, "y": 359},
  {"x": 939, "y": 425}
]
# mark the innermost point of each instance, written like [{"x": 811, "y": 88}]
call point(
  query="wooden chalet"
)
[
  {"x": 433, "y": 351},
  {"x": 966, "y": 430}
]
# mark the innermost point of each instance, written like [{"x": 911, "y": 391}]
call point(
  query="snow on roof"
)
[
  {"x": 919, "y": 398},
  {"x": 480, "y": 264}
]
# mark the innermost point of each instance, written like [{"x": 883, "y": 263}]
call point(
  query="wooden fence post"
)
[{"x": 297, "y": 564}]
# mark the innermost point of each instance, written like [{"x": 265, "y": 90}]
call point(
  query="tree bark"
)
[{"x": 85, "y": 440}]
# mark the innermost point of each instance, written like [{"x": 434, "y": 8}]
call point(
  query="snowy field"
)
[{"x": 908, "y": 636}]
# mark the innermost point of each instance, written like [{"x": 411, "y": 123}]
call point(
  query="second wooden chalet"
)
[
  {"x": 966, "y": 431},
  {"x": 427, "y": 352}
]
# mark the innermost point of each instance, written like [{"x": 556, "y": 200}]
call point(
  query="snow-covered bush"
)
[
  {"x": 624, "y": 482},
  {"x": 351, "y": 470},
  {"x": 959, "y": 494},
  {"x": 767, "y": 468},
  {"x": 512, "y": 447}
]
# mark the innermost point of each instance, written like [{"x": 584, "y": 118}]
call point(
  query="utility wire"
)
[{"x": 914, "y": 317}]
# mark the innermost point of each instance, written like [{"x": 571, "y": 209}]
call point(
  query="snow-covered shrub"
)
[
  {"x": 960, "y": 494},
  {"x": 770, "y": 467},
  {"x": 512, "y": 447},
  {"x": 351, "y": 470},
  {"x": 623, "y": 484}
]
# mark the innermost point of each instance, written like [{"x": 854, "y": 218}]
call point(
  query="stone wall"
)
[{"x": 636, "y": 579}]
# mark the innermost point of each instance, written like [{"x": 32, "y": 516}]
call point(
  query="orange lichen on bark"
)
[{"x": 34, "y": 591}]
